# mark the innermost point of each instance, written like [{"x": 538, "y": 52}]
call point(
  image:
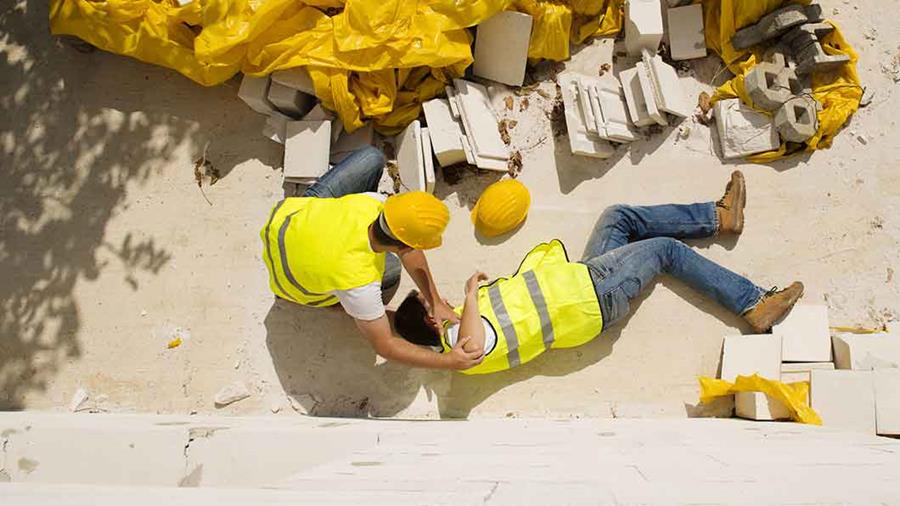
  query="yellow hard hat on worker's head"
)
[
  {"x": 418, "y": 219},
  {"x": 501, "y": 207}
]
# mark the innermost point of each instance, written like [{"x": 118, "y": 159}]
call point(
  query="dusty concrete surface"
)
[{"x": 107, "y": 246}]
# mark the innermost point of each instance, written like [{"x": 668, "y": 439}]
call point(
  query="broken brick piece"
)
[{"x": 796, "y": 120}]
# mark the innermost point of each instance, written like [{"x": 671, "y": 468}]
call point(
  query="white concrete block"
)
[
  {"x": 290, "y": 101},
  {"x": 428, "y": 161},
  {"x": 444, "y": 131},
  {"x": 647, "y": 88},
  {"x": 306, "y": 148},
  {"x": 667, "y": 88},
  {"x": 254, "y": 91},
  {"x": 643, "y": 26},
  {"x": 347, "y": 143},
  {"x": 578, "y": 114},
  {"x": 844, "y": 399},
  {"x": 480, "y": 124},
  {"x": 807, "y": 337},
  {"x": 792, "y": 372},
  {"x": 610, "y": 109},
  {"x": 501, "y": 47},
  {"x": 410, "y": 161},
  {"x": 887, "y": 402},
  {"x": 759, "y": 406},
  {"x": 634, "y": 98},
  {"x": 864, "y": 352},
  {"x": 743, "y": 131},
  {"x": 275, "y": 127},
  {"x": 296, "y": 78},
  {"x": 751, "y": 354},
  {"x": 686, "y": 37}
]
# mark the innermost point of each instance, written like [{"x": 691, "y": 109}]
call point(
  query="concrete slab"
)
[
  {"x": 807, "y": 337},
  {"x": 643, "y": 26},
  {"x": 275, "y": 127},
  {"x": 797, "y": 119},
  {"x": 444, "y": 132},
  {"x": 887, "y": 402},
  {"x": 634, "y": 98},
  {"x": 865, "y": 352},
  {"x": 667, "y": 88},
  {"x": 428, "y": 161},
  {"x": 254, "y": 91},
  {"x": 687, "y": 39},
  {"x": 306, "y": 149},
  {"x": 751, "y": 354},
  {"x": 650, "y": 97},
  {"x": 844, "y": 399},
  {"x": 581, "y": 141},
  {"x": 296, "y": 78},
  {"x": 501, "y": 47},
  {"x": 480, "y": 123},
  {"x": 410, "y": 161},
  {"x": 759, "y": 406},
  {"x": 289, "y": 101},
  {"x": 743, "y": 131}
]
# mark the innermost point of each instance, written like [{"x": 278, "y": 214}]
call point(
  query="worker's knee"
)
[
  {"x": 614, "y": 214},
  {"x": 372, "y": 157},
  {"x": 667, "y": 248}
]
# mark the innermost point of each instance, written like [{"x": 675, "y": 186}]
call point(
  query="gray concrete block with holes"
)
[{"x": 796, "y": 120}]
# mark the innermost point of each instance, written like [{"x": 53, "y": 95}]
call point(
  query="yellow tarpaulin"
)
[
  {"x": 368, "y": 59},
  {"x": 838, "y": 91},
  {"x": 792, "y": 395}
]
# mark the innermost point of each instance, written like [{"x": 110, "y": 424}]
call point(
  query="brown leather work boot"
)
[
  {"x": 773, "y": 306},
  {"x": 730, "y": 208}
]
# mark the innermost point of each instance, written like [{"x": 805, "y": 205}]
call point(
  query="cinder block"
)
[
  {"x": 815, "y": 59},
  {"x": 634, "y": 98},
  {"x": 290, "y": 101},
  {"x": 643, "y": 26},
  {"x": 306, "y": 148},
  {"x": 410, "y": 162},
  {"x": 844, "y": 399},
  {"x": 650, "y": 98},
  {"x": 864, "y": 352},
  {"x": 767, "y": 86},
  {"x": 887, "y": 402},
  {"x": 296, "y": 78},
  {"x": 686, "y": 37},
  {"x": 807, "y": 337},
  {"x": 501, "y": 47},
  {"x": 814, "y": 13},
  {"x": 769, "y": 26},
  {"x": 445, "y": 132},
  {"x": 759, "y": 406},
  {"x": 254, "y": 91},
  {"x": 751, "y": 354},
  {"x": 796, "y": 120},
  {"x": 428, "y": 161},
  {"x": 579, "y": 116},
  {"x": 743, "y": 131},
  {"x": 667, "y": 88}
]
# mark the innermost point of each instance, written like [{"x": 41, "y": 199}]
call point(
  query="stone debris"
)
[
  {"x": 770, "y": 26},
  {"x": 79, "y": 398},
  {"x": 306, "y": 150},
  {"x": 667, "y": 91},
  {"x": 346, "y": 143},
  {"x": 743, "y": 131},
  {"x": 296, "y": 78},
  {"x": 428, "y": 161},
  {"x": 643, "y": 26},
  {"x": 807, "y": 337},
  {"x": 410, "y": 160},
  {"x": 580, "y": 120},
  {"x": 796, "y": 120},
  {"x": 446, "y": 131},
  {"x": 687, "y": 39},
  {"x": 634, "y": 98},
  {"x": 759, "y": 406},
  {"x": 254, "y": 91},
  {"x": 768, "y": 85},
  {"x": 501, "y": 47},
  {"x": 289, "y": 101},
  {"x": 792, "y": 372},
  {"x": 230, "y": 394},
  {"x": 482, "y": 143}
]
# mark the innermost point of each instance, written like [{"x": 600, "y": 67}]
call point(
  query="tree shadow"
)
[{"x": 81, "y": 129}]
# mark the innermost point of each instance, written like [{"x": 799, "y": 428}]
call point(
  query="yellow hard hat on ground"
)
[
  {"x": 501, "y": 207},
  {"x": 418, "y": 219}
]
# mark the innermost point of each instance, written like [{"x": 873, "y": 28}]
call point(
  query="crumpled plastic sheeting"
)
[
  {"x": 369, "y": 59},
  {"x": 792, "y": 395},
  {"x": 838, "y": 91}
]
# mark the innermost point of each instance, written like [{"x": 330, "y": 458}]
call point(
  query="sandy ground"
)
[{"x": 107, "y": 247}]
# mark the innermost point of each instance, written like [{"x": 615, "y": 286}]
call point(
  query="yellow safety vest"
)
[
  {"x": 313, "y": 246},
  {"x": 548, "y": 303}
]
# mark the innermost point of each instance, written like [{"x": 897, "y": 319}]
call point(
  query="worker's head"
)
[
  {"x": 413, "y": 322},
  {"x": 411, "y": 220}
]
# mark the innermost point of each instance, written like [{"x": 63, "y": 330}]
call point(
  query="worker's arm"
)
[
  {"x": 386, "y": 344},
  {"x": 416, "y": 265},
  {"x": 470, "y": 325}
]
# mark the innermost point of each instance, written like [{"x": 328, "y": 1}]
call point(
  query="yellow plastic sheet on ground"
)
[
  {"x": 792, "y": 395},
  {"x": 368, "y": 59},
  {"x": 838, "y": 91}
]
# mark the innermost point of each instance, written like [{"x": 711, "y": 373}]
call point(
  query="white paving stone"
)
[
  {"x": 864, "y": 352},
  {"x": 743, "y": 131},
  {"x": 479, "y": 120},
  {"x": 501, "y": 47},
  {"x": 685, "y": 32},
  {"x": 254, "y": 91},
  {"x": 610, "y": 109},
  {"x": 887, "y": 401},
  {"x": 844, "y": 399},
  {"x": 751, "y": 354},
  {"x": 643, "y": 26},
  {"x": 807, "y": 337},
  {"x": 306, "y": 149},
  {"x": 667, "y": 88},
  {"x": 445, "y": 132},
  {"x": 759, "y": 406},
  {"x": 410, "y": 161}
]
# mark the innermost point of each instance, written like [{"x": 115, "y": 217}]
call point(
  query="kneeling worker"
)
[
  {"x": 331, "y": 245},
  {"x": 553, "y": 303}
]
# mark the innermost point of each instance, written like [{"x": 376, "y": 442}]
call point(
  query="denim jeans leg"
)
[
  {"x": 390, "y": 281},
  {"x": 622, "y": 224},
  {"x": 358, "y": 173},
  {"x": 623, "y": 273}
]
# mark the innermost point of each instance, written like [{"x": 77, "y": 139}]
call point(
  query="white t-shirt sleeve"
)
[
  {"x": 490, "y": 337},
  {"x": 364, "y": 302}
]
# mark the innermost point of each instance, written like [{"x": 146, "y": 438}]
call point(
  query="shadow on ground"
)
[{"x": 80, "y": 129}]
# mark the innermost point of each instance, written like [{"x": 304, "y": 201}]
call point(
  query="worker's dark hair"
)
[
  {"x": 382, "y": 236},
  {"x": 409, "y": 320}
]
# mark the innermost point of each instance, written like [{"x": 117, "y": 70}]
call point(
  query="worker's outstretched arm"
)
[
  {"x": 391, "y": 347},
  {"x": 470, "y": 325},
  {"x": 416, "y": 265}
]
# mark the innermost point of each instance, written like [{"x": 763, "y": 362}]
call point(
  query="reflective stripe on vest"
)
[
  {"x": 537, "y": 298},
  {"x": 509, "y": 330}
]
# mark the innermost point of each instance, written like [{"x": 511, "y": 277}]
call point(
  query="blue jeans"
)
[
  {"x": 631, "y": 245},
  {"x": 359, "y": 173}
]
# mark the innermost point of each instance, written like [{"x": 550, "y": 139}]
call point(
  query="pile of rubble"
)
[{"x": 858, "y": 390}]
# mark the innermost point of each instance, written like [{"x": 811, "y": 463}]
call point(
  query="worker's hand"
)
[
  {"x": 459, "y": 359},
  {"x": 472, "y": 283},
  {"x": 441, "y": 311}
]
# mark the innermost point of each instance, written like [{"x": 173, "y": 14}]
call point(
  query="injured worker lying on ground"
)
[{"x": 551, "y": 302}]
